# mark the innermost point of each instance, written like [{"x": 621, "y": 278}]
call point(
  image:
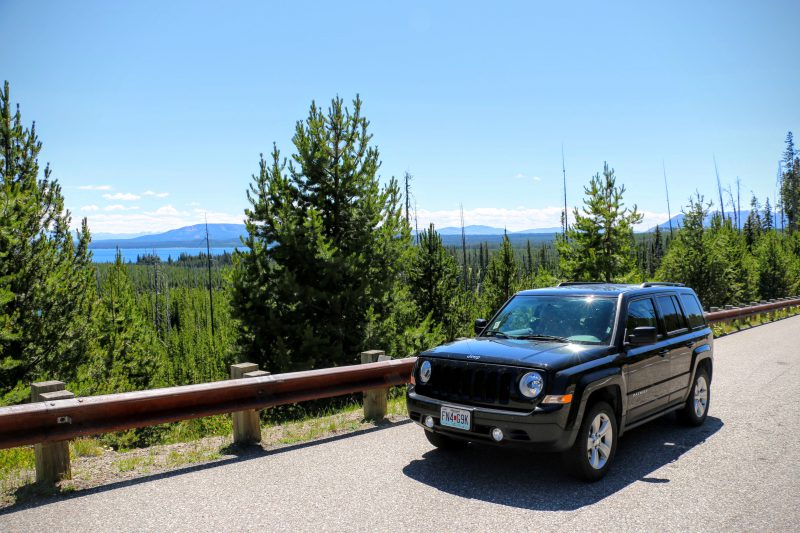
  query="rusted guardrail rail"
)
[
  {"x": 755, "y": 308},
  {"x": 55, "y": 416}
]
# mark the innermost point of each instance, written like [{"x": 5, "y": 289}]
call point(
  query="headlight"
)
[
  {"x": 531, "y": 384},
  {"x": 425, "y": 371}
]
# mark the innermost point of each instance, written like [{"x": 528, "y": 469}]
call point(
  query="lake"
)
[{"x": 107, "y": 255}]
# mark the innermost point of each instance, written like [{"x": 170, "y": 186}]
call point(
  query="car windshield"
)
[{"x": 581, "y": 319}]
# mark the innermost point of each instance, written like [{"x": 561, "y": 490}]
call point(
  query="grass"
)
[
  {"x": 198, "y": 454},
  {"x": 85, "y": 448}
]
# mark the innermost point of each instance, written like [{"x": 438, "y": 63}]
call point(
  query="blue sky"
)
[{"x": 153, "y": 114}]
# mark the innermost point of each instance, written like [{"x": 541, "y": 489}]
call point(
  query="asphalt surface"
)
[{"x": 738, "y": 472}]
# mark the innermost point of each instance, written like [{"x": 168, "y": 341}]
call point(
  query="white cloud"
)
[
  {"x": 521, "y": 176},
  {"x": 95, "y": 187},
  {"x": 651, "y": 219},
  {"x": 120, "y": 207},
  {"x": 89, "y": 208},
  {"x": 156, "y": 194},
  {"x": 162, "y": 219},
  {"x": 124, "y": 196},
  {"x": 167, "y": 210}
]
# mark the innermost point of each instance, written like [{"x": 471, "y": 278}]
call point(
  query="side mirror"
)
[
  {"x": 643, "y": 335},
  {"x": 480, "y": 325}
]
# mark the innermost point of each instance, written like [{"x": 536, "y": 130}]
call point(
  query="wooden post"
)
[
  {"x": 375, "y": 400},
  {"x": 246, "y": 424},
  {"x": 52, "y": 458}
]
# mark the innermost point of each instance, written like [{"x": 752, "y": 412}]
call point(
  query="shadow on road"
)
[
  {"x": 33, "y": 495},
  {"x": 523, "y": 479}
]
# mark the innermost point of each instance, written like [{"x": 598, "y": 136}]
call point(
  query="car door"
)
[
  {"x": 698, "y": 334},
  {"x": 679, "y": 343},
  {"x": 645, "y": 368}
]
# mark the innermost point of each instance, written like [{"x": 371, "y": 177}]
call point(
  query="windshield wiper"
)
[
  {"x": 537, "y": 336},
  {"x": 496, "y": 334}
]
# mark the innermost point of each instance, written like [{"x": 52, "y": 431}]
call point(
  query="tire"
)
[
  {"x": 591, "y": 455},
  {"x": 444, "y": 442},
  {"x": 695, "y": 411}
]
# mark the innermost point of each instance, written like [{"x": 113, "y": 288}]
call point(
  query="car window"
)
[
  {"x": 694, "y": 314},
  {"x": 641, "y": 313},
  {"x": 579, "y": 319},
  {"x": 673, "y": 318}
]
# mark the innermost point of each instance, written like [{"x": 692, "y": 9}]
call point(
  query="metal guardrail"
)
[
  {"x": 56, "y": 416},
  {"x": 746, "y": 311},
  {"x": 56, "y": 420}
]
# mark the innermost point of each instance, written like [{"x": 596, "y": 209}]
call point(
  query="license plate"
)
[{"x": 456, "y": 418}]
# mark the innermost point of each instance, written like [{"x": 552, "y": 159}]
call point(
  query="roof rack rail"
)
[
  {"x": 661, "y": 284},
  {"x": 568, "y": 283}
]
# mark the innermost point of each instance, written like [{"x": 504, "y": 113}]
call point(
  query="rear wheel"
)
[
  {"x": 444, "y": 442},
  {"x": 695, "y": 410},
  {"x": 591, "y": 455}
]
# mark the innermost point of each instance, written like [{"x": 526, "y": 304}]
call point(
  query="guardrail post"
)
[
  {"x": 246, "y": 424},
  {"x": 52, "y": 458},
  {"x": 374, "y": 400}
]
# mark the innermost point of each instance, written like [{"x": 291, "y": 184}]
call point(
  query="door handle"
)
[
  {"x": 690, "y": 344},
  {"x": 663, "y": 352}
]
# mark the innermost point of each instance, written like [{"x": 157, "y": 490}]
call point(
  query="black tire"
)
[
  {"x": 695, "y": 411},
  {"x": 444, "y": 442},
  {"x": 591, "y": 463}
]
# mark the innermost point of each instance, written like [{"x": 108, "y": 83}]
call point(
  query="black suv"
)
[{"x": 569, "y": 369}]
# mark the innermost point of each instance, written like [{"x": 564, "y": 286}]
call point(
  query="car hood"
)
[{"x": 547, "y": 355}]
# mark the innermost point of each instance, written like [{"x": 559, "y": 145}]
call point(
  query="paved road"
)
[{"x": 741, "y": 471}]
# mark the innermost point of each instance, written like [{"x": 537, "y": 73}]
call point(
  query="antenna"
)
[
  {"x": 719, "y": 190},
  {"x": 564, "y": 173},
  {"x": 666, "y": 187}
]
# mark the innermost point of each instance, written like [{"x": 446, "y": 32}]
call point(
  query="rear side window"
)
[
  {"x": 694, "y": 314},
  {"x": 673, "y": 318},
  {"x": 641, "y": 313}
]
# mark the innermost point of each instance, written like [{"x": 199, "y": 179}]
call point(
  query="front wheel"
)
[
  {"x": 594, "y": 448},
  {"x": 695, "y": 411},
  {"x": 444, "y": 442}
]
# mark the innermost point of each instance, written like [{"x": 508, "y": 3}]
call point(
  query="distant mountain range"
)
[
  {"x": 220, "y": 235},
  {"x": 228, "y": 235},
  {"x": 489, "y": 230}
]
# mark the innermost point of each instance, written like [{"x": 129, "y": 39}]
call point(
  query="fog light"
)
[
  {"x": 429, "y": 422},
  {"x": 497, "y": 434}
]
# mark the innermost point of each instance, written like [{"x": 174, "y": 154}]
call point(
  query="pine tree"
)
[
  {"x": 768, "y": 218},
  {"x": 598, "y": 244},
  {"x": 327, "y": 247},
  {"x": 658, "y": 250},
  {"x": 433, "y": 280},
  {"x": 790, "y": 185},
  {"x": 690, "y": 258},
  {"x": 128, "y": 347},
  {"x": 46, "y": 278},
  {"x": 773, "y": 267},
  {"x": 502, "y": 277},
  {"x": 752, "y": 225}
]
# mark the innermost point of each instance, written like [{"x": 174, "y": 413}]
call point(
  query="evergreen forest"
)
[{"x": 330, "y": 267}]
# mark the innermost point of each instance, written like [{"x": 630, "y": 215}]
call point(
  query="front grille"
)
[{"x": 479, "y": 384}]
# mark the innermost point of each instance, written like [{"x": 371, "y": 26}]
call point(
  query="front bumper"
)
[{"x": 544, "y": 428}]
